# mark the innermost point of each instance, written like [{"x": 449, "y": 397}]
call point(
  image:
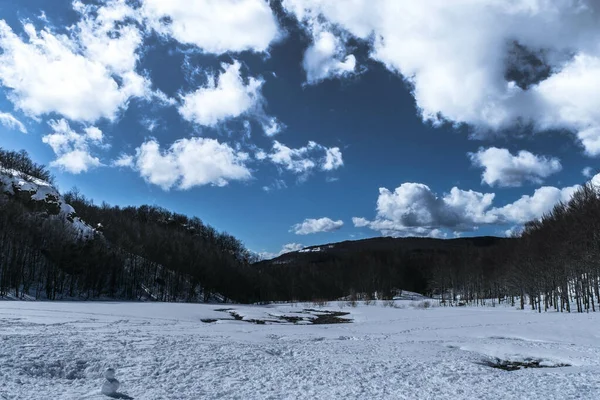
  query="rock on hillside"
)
[{"x": 41, "y": 197}]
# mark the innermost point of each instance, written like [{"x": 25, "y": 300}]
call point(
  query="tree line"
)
[
  {"x": 553, "y": 264},
  {"x": 21, "y": 162},
  {"x": 148, "y": 252}
]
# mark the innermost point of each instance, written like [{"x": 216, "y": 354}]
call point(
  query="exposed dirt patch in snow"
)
[
  {"x": 305, "y": 317},
  {"x": 515, "y": 365}
]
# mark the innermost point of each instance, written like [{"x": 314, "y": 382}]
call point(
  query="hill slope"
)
[
  {"x": 48, "y": 250},
  {"x": 352, "y": 247},
  {"x": 375, "y": 267}
]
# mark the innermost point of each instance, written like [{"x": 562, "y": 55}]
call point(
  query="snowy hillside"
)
[
  {"x": 184, "y": 351},
  {"x": 40, "y": 196}
]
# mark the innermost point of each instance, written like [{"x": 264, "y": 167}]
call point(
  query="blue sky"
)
[{"x": 305, "y": 121}]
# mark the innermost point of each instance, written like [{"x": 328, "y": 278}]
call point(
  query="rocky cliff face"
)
[{"x": 41, "y": 197}]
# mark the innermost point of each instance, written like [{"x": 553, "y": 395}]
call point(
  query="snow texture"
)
[{"x": 60, "y": 350}]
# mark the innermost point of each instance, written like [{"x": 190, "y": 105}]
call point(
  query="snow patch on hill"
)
[{"x": 44, "y": 197}]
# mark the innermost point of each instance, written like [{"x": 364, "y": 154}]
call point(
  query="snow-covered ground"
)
[{"x": 60, "y": 350}]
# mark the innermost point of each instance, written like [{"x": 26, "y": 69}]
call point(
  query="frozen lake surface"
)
[{"x": 60, "y": 350}]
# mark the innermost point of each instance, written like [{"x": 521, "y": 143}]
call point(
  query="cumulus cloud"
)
[
  {"x": 76, "y": 161},
  {"x": 188, "y": 163},
  {"x": 9, "y": 120},
  {"x": 227, "y": 96},
  {"x": 532, "y": 207},
  {"x": 105, "y": 38},
  {"x": 85, "y": 76},
  {"x": 222, "y": 98},
  {"x": 506, "y": 170},
  {"x": 72, "y": 148},
  {"x": 325, "y": 58},
  {"x": 413, "y": 209},
  {"x": 312, "y": 225},
  {"x": 490, "y": 64},
  {"x": 215, "y": 26},
  {"x": 304, "y": 159}
]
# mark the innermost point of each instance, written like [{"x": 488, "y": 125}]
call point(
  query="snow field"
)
[{"x": 60, "y": 350}]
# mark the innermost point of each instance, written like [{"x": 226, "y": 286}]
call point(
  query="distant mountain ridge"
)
[
  {"x": 375, "y": 267},
  {"x": 347, "y": 247}
]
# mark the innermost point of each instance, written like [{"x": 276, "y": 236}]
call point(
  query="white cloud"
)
[
  {"x": 271, "y": 126},
  {"x": 190, "y": 162},
  {"x": 570, "y": 99},
  {"x": 528, "y": 208},
  {"x": 278, "y": 184},
  {"x": 76, "y": 161},
  {"x": 514, "y": 231},
  {"x": 588, "y": 172},
  {"x": 325, "y": 58},
  {"x": 105, "y": 38},
  {"x": 304, "y": 159},
  {"x": 413, "y": 209},
  {"x": 295, "y": 160},
  {"x": 290, "y": 247},
  {"x": 312, "y": 225},
  {"x": 287, "y": 248},
  {"x": 73, "y": 149},
  {"x": 260, "y": 155},
  {"x": 84, "y": 77},
  {"x": 503, "y": 169},
  {"x": 490, "y": 64},
  {"x": 333, "y": 159},
  {"x": 215, "y": 26},
  {"x": 8, "y": 120},
  {"x": 222, "y": 98},
  {"x": 124, "y": 160}
]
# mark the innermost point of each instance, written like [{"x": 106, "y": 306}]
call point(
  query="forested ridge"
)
[
  {"x": 128, "y": 253},
  {"x": 372, "y": 268},
  {"x": 553, "y": 264},
  {"x": 50, "y": 250}
]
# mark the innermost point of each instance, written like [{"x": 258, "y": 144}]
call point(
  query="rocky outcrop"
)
[{"x": 40, "y": 197}]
